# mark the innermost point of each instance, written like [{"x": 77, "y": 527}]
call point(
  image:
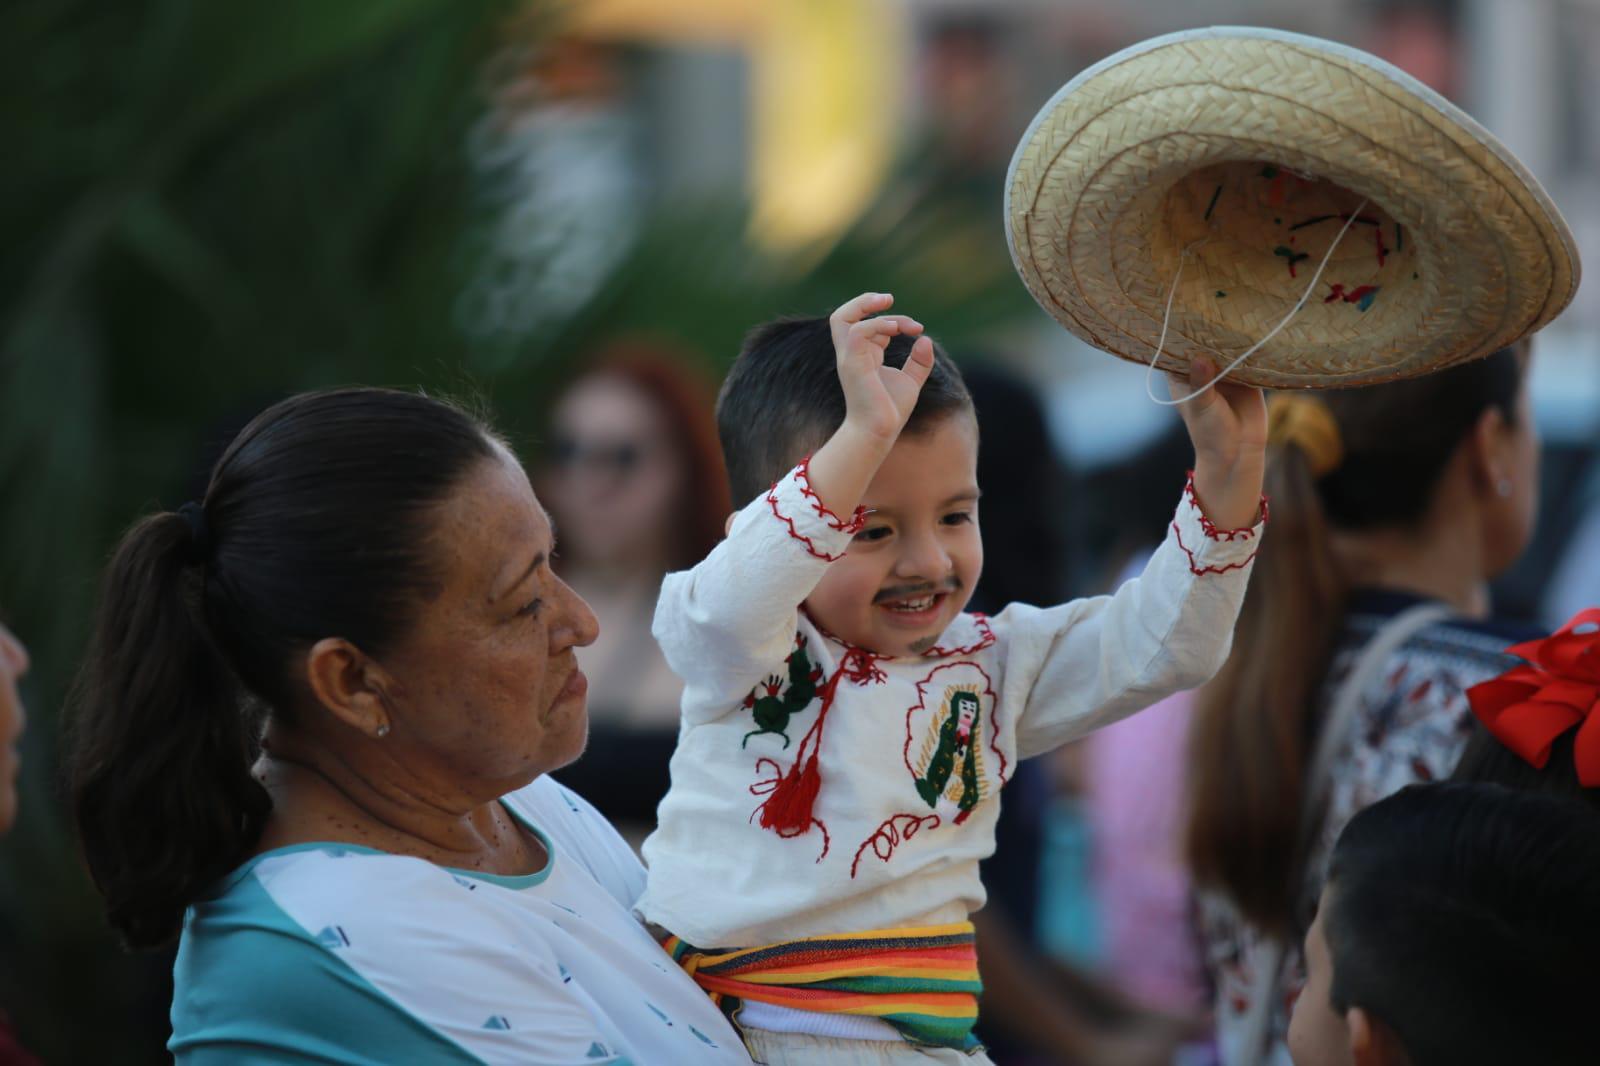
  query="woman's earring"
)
[
  {"x": 383, "y": 730},
  {"x": 1503, "y": 487}
]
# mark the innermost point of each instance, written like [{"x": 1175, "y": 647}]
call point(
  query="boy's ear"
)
[
  {"x": 727, "y": 527},
  {"x": 1372, "y": 1043}
]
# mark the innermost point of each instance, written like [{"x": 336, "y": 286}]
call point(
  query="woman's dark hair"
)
[
  {"x": 316, "y": 524},
  {"x": 783, "y": 399},
  {"x": 1466, "y": 917},
  {"x": 1257, "y": 722}
]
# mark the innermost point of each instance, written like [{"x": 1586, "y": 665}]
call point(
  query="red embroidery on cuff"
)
[
  {"x": 1210, "y": 528},
  {"x": 802, "y": 478},
  {"x": 1200, "y": 571}
]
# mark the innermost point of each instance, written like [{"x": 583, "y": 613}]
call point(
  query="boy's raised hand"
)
[
  {"x": 1228, "y": 425},
  {"x": 878, "y": 398}
]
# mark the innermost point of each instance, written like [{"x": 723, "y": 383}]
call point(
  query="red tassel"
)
[{"x": 788, "y": 810}]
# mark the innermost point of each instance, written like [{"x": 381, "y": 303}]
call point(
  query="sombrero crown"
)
[{"x": 1241, "y": 155}]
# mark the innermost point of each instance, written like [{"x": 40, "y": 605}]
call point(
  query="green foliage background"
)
[{"x": 207, "y": 204}]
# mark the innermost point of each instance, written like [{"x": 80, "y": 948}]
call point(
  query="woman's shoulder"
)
[
  {"x": 1453, "y": 638},
  {"x": 312, "y": 896},
  {"x": 275, "y": 958},
  {"x": 1415, "y": 717}
]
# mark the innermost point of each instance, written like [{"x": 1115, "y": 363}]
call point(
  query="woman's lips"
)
[{"x": 576, "y": 688}]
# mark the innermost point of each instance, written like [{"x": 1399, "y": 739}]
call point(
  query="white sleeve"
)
[
  {"x": 1085, "y": 664},
  {"x": 731, "y": 620}
]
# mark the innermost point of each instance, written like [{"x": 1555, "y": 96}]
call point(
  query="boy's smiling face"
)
[{"x": 912, "y": 568}]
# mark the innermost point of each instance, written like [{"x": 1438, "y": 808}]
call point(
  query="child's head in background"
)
[
  {"x": 1459, "y": 925},
  {"x": 912, "y": 568}
]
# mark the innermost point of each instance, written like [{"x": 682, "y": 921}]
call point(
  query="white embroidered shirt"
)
[{"x": 911, "y": 752}]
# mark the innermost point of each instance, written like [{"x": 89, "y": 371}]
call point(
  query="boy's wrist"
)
[
  {"x": 870, "y": 441},
  {"x": 868, "y": 430}
]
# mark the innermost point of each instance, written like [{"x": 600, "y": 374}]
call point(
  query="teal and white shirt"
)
[{"x": 334, "y": 953}]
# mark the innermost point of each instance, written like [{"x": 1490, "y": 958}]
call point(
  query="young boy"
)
[
  {"x": 1459, "y": 926},
  {"x": 847, "y": 728}
]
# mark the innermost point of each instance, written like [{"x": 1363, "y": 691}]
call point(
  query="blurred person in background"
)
[
  {"x": 634, "y": 479},
  {"x": 312, "y": 739},
  {"x": 1135, "y": 775},
  {"x": 1392, "y": 507},
  {"x": 13, "y": 666}
]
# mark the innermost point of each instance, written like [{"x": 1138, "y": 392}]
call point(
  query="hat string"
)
[{"x": 1248, "y": 352}]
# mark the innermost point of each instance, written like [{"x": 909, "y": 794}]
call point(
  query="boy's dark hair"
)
[
  {"x": 782, "y": 399},
  {"x": 1466, "y": 917}
]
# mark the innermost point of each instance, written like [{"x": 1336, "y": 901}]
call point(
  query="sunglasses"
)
[{"x": 617, "y": 459}]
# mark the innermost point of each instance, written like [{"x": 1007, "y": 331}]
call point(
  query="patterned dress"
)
[
  {"x": 338, "y": 954},
  {"x": 1412, "y": 728}
]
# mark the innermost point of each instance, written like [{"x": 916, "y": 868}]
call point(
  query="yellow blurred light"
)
[
  {"x": 828, "y": 83},
  {"x": 827, "y": 97}
]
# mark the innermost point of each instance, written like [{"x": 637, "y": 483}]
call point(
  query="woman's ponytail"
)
[
  {"x": 1352, "y": 461},
  {"x": 160, "y": 771},
  {"x": 1251, "y": 739}
]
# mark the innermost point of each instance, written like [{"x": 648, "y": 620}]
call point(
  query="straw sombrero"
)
[{"x": 1240, "y": 155}]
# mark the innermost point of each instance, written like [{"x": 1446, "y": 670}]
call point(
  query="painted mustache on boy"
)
[{"x": 950, "y": 586}]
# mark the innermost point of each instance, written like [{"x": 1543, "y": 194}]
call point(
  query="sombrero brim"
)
[{"x": 1175, "y": 145}]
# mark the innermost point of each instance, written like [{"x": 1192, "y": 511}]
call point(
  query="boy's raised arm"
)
[
  {"x": 878, "y": 399},
  {"x": 730, "y": 621},
  {"x": 1085, "y": 664}
]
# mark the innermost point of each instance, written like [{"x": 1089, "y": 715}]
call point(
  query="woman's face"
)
[
  {"x": 13, "y": 665},
  {"x": 615, "y": 474},
  {"x": 487, "y": 689}
]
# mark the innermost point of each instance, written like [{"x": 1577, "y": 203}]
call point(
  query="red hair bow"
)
[{"x": 1527, "y": 707}]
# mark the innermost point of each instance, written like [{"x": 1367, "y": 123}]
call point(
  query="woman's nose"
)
[{"x": 578, "y": 627}]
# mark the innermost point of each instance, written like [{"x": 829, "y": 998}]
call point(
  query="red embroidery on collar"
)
[
  {"x": 1210, "y": 527},
  {"x": 985, "y": 639}
]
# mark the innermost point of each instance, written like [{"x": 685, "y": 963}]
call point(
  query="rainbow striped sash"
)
[{"x": 924, "y": 982}]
